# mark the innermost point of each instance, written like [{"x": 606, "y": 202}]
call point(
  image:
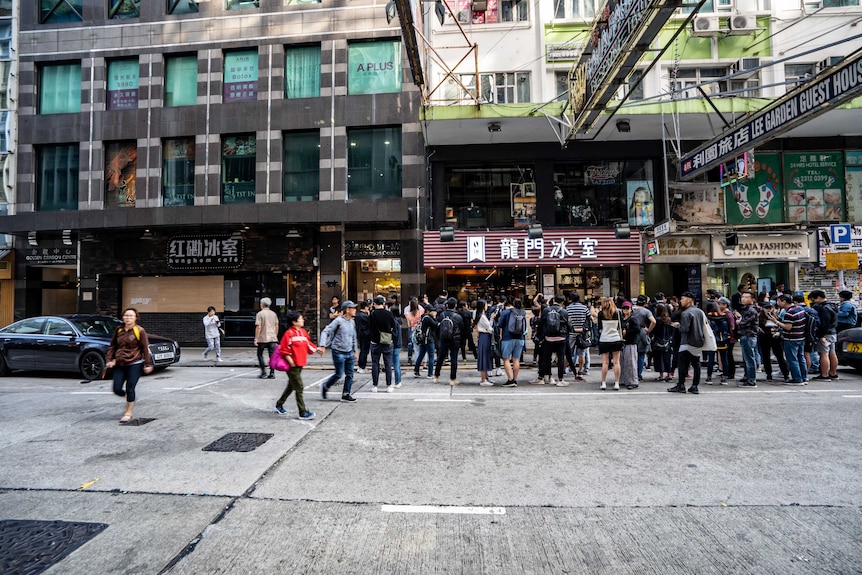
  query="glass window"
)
[
  {"x": 496, "y": 11},
  {"x": 489, "y": 197},
  {"x": 181, "y": 6},
  {"x": 5, "y": 71},
  {"x": 240, "y": 76},
  {"x": 242, "y": 4},
  {"x": 302, "y": 72},
  {"x": 121, "y": 165},
  {"x": 178, "y": 171},
  {"x": 295, "y": 2},
  {"x": 57, "y": 178},
  {"x": 124, "y": 9},
  {"x": 5, "y": 130},
  {"x": 505, "y": 87},
  {"x": 301, "y": 166},
  {"x": 636, "y": 85},
  {"x": 796, "y": 74},
  {"x": 561, "y": 80},
  {"x": 583, "y": 9},
  {"x": 59, "y": 88},
  {"x": 374, "y": 67},
  {"x": 239, "y": 154},
  {"x": 374, "y": 163},
  {"x": 602, "y": 193},
  {"x": 53, "y": 11},
  {"x": 123, "y": 84},
  {"x": 181, "y": 81},
  {"x": 5, "y": 39}
]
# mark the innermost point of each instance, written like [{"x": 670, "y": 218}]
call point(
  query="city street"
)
[{"x": 432, "y": 479}]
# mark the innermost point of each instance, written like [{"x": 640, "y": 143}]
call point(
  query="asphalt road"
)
[{"x": 433, "y": 479}]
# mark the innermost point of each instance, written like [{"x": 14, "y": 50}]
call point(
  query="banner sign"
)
[
  {"x": 205, "y": 252},
  {"x": 826, "y": 91},
  {"x": 814, "y": 183},
  {"x": 374, "y": 67},
  {"x": 240, "y": 76},
  {"x": 61, "y": 256},
  {"x": 123, "y": 84},
  {"x": 824, "y": 249},
  {"x": 759, "y": 200},
  {"x": 853, "y": 185}
]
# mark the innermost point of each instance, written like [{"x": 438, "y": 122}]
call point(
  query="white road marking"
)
[
  {"x": 852, "y": 396},
  {"x": 317, "y": 383},
  {"x": 218, "y": 380},
  {"x": 443, "y": 509},
  {"x": 91, "y": 393},
  {"x": 447, "y": 400}
]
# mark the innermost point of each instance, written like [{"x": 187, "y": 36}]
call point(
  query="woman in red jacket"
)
[
  {"x": 295, "y": 346},
  {"x": 129, "y": 356}
]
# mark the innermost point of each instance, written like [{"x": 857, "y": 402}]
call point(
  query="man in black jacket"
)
[
  {"x": 467, "y": 335},
  {"x": 382, "y": 324},
  {"x": 363, "y": 335},
  {"x": 450, "y": 330},
  {"x": 826, "y": 334}
]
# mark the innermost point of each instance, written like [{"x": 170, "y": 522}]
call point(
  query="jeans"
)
[
  {"x": 451, "y": 347},
  {"x": 343, "y": 362},
  {"x": 213, "y": 343},
  {"x": 420, "y": 355},
  {"x": 749, "y": 356},
  {"x": 396, "y": 364},
  {"x": 378, "y": 349},
  {"x": 794, "y": 354},
  {"x": 710, "y": 366},
  {"x": 686, "y": 359},
  {"x": 130, "y": 374},
  {"x": 641, "y": 362},
  {"x": 268, "y": 346}
]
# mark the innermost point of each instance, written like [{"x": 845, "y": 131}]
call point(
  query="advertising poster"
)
[
  {"x": 814, "y": 183},
  {"x": 240, "y": 76},
  {"x": 123, "y": 84},
  {"x": 697, "y": 203},
  {"x": 523, "y": 204},
  {"x": 121, "y": 162},
  {"x": 758, "y": 200},
  {"x": 853, "y": 185},
  {"x": 641, "y": 203},
  {"x": 374, "y": 67}
]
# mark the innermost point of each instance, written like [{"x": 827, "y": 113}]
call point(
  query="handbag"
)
[
  {"x": 278, "y": 362},
  {"x": 385, "y": 338},
  {"x": 709, "y": 343}
]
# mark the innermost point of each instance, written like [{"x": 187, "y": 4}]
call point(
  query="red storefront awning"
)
[{"x": 572, "y": 248}]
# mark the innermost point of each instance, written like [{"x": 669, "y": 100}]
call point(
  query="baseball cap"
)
[
  {"x": 626, "y": 304},
  {"x": 642, "y": 299},
  {"x": 724, "y": 300},
  {"x": 347, "y": 304},
  {"x": 687, "y": 294},
  {"x": 379, "y": 300}
]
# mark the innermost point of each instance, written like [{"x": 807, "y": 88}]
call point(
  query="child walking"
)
[{"x": 295, "y": 346}]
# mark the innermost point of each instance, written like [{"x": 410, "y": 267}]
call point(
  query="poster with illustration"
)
[
  {"x": 758, "y": 200},
  {"x": 814, "y": 183},
  {"x": 641, "y": 203},
  {"x": 853, "y": 185},
  {"x": 698, "y": 203},
  {"x": 523, "y": 204},
  {"x": 121, "y": 163}
]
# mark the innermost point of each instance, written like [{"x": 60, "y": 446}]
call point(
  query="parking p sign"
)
[{"x": 839, "y": 234}]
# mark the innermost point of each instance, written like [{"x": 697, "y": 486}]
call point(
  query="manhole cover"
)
[
  {"x": 138, "y": 421},
  {"x": 238, "y": 442},
  {"x": 30, "y": 547}
]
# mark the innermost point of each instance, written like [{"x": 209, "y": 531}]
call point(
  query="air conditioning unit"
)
[
  {"x": 828, "y": 63},
  {"x": 742, "y": 24},
  {"x": 749, "y": 66},
  {"x": 704, "y": 26}
]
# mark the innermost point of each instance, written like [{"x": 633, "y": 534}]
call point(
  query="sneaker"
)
[
  {"x": 746, "y": 384},
  {"x": 306, "y": 415},
  {"x": 822, "y": 378},
  {"x": 708, "y": 381},
  {"x": 323, "y": 389},
  {"x": 363, "y": 370},
  {"x": 271, "y": 375},
  {"x": 262, "y": 376},
  {"x": 218, "y": 358},
  {"x": 579, "y": 378},
  {"x": 603, "y": 386},
  {"x": 389, "y": 389},
  {"x": 540, "y": 381},
  {"x": 398, "y": 385},
  {"x": 632, "y": 386},
  {"x": 693, "y": 390},
  {"x": 373, "y": 389},
  {"x": 616, "y": 386},
  {"x": 676, "y": 389},
  {"x": 498, "y": 372},
  {"x": 280, "y": 410},
  {"x": 454, "y": 382},
  {"x": 833, "y": 376},
  {"x": 486, "y": 383},
  {"x": 417, "y": 375},
  {"x": 722, "y": 381},
  {"x": 553, "y": 381},
  {"x": 510, "y": 383},
  {"x": 204, "y": 354},
  {"x": 436, "y": 379},
  {"x": 348, "y": 399},
  {"x": 562, "y": 383},
  {"x": 792, "y": 382}
]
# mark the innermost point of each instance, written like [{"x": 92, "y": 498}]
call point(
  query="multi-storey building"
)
[
  {"x": 500, "y": 155},
  {"x": 178, "y": 154},
  {"x": 8, "y": 115}
]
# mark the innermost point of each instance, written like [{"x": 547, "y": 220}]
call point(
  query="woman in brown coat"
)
[{"x": 129, "y": 356}]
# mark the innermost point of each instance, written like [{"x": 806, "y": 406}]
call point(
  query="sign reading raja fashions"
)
[
  {"x": 372, "y": 249},
  {"x": 764, "y": 247},
  {"x": 203, "y": 252}
]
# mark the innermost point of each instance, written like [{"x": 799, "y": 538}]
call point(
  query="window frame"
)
[
  {"x": 187, "y": 168},
  {"x": 168, "y": 80},
  {"x": 172, "y": 5},
  {"x": 310, "y": 171},
  {"x": 115, "y": 5},
  {"x": 371, "y": 188},
  {"x": 47, "y": 17},
  {"x": 307, "y": 90},
  {"x": 73, "y": 89},
  {"x": 506, "y": 83},
  {"x": 72, "y": 179},
  {"x": 240, "y": 164}
]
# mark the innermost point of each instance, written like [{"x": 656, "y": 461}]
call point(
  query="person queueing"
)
[
  {"x": 426, "y": 341},
  {"x": 382, "y": 329},
  {"x": 212, "y": 334},
  {"x": 295, "y": 346},
  {"x": 483, "y": 347},
  {"x": 129, "y": 356},
  {"x": 340, "y": 335},
  {"x": 769, "y": 339},
  {"x": 450, "y": 329},
  {"x": 610, "y": 340},
  {"x": 629, "y": 355}
]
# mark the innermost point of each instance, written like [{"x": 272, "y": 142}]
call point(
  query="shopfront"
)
[
  {"x": 481, "y": 265},
  {"x": 676, "y": 263},
  {"x": 373, "y": 268}
]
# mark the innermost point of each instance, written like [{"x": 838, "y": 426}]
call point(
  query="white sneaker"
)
[
  {"x": 218, "y": 358},
  {"x": 603, "y": 386},
  {"x": 498, "y": 372},
  {"x": 616, "y": 386},
  {"x": 373, "y": 389},
  {"x": 562, "y": 383},
  {"x": 454, "y": 382},
  {"x": 389, "y": 389},
  {"x": 397, "y": 386},
  {"x": 539, "y": 381},
  {"x": 361, "y": 370},
  {"x": 553, "y": 381},
  {"x": 436, "y": 379},
  {"x": 486, "y": 383}
]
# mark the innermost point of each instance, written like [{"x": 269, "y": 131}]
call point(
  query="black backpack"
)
[
  {"x": 584, "y": 339},
  {"x": 447, "y": 328},
  {"x": 516, "y": 324},
  {"x": 553, "y": 323},
  {"x": 812, "y": 325}
]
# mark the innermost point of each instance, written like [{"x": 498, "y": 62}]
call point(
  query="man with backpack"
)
[
  {"x": 580, "y": 334},
  {"x": 450, "y": 329},
  {"x": 554, "y": 325},
  {"x": 812, "y": 325},
  {"x": 510, "y": 327},
  {"x": 826, "y": 335}
]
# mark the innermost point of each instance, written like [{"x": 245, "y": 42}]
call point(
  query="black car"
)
[
  {"x": 70, "y": 343},
  {"x": 849, "y": 348}
]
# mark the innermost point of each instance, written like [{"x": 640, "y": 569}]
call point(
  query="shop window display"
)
[
  {"x": 592, "y": 283},
  {"x": 490, "y": 197},
  {"x": 603, "y": 193}
]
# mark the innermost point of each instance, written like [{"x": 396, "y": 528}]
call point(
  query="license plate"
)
[
  {"x": 853, "y": 347},
  {"x": 160, "y": 356}
]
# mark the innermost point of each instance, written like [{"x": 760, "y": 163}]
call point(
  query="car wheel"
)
[
  {"x": 857, "y": 366},
  {"x": 92, "y": 365},
  {"x": 4, "y": 369}
]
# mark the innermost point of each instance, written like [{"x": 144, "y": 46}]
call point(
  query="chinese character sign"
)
[
  {"x": 123, "y": 84},
  {"x": 815, "y": 186},
  {"x": 240, "y": 76},
  {"x": 205, "y": 252}
]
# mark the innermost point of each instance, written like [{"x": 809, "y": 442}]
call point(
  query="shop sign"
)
[
  {"x": 556, "y": 248},
  {"x": 682, "y": 249},
  {"x": 758, "y": 200},
  {"x": 372, "y": 249},
  {"x": 814, "y": 183},
  {"x": 41, "y": 256},
  {"x": 204, "y": 252},
  {"x": 763, "y": 247},
  {"x": 602, "y": 175}
]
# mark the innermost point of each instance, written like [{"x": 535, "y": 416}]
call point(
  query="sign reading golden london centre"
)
[{"x": 764, "y": 247}]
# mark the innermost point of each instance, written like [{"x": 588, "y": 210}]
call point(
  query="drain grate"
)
[
  {"x": 138, "y": 421},
  {"x": 31, "y": 547},
  {"x": 238, "y": 442}
]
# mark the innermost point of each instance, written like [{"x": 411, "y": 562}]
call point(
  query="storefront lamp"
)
[
  {"x": 534, "y": 231},
  {"x": 622, "y": 231},
  {"x": 447, "y": 234}
]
